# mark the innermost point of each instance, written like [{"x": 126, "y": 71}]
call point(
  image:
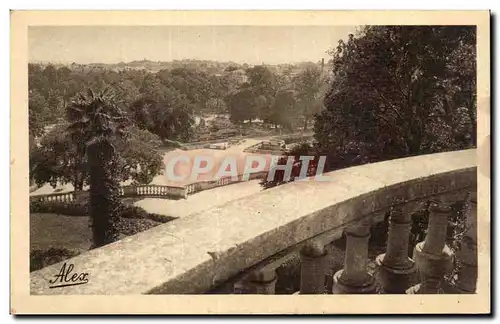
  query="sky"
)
[{"x": 241, "y": 44}]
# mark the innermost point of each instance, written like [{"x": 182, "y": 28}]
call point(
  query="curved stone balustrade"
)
[
  {"x": 254, "y": 234},
  {"x": 55, "y": 197},
  {"x": 152, "y": 191},
  {"x": 155, "y": 191},
  {"x": 210, "y": 184}
]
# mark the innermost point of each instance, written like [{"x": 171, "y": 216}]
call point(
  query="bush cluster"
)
[
  {"x": 132, "y": 226},
  {"x": 135, "y": 212},
  {"x": 71, "y": 208},
  {"x": 40, "y": 259},
  {"x": 288, "y": 139}
]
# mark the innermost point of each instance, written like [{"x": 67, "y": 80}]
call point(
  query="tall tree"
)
[
  {"x": 140, "y": 157},
  {"x": 283, "y": 110},
  {"x": 167, "y": 114},
  {"x": 196, "y": 85},
  {"x": 59, "y": 160},
  {"x": 96, "y": 120},
  {"x": 38, "y": 114},
  {"x": 389, "y": 96},
  {"x": 308, "y": 85},
  {"x": 261, "y": 80},
  {"x": 242, "y": 106}
]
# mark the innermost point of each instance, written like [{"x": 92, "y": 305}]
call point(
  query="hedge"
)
[
  {"x": 71, "y": 208},
  {"x": 81, "y": 208}
]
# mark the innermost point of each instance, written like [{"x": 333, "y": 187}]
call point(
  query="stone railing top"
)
[{"x": 193, "y": 254}]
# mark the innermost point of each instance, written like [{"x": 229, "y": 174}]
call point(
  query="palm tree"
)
[{"x": 95, "y": 121}]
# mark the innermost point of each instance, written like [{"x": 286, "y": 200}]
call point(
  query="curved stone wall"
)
[{"x": 195, "y": 253}]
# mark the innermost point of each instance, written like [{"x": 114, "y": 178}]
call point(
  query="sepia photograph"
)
[{"x": 220, "y": 157}]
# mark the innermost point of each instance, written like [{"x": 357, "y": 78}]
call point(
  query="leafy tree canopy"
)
[{"x": 399, "y": 91}]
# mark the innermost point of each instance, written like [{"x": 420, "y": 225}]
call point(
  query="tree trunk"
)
[
  {"x": 77, "y": 179},
  {"x": 473, "y": 122},
  {"x": 414, "y": 137},
  {"x": 104, "y": 193}
]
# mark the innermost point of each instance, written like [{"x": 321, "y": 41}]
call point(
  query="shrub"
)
[
  {"x": 40, "y": 259},
  {"x": 133, "y": 212},
  {"x": 131, "y": 226},
  {"x": 160, "y": 218},
  {"x": 295, "y": 138}
]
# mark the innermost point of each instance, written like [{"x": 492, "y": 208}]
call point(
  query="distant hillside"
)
[{"x": 211, "y": 67}]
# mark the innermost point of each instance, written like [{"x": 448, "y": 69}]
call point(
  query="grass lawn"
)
[
  {"x": 57, "y": 231},
  {"x": 49, "y": 233}
]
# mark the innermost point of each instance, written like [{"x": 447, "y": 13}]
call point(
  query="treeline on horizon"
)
[{"x": 166, "y": 101}]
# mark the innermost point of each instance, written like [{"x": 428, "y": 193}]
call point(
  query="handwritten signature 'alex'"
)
[{"x": 65, "y": 279}]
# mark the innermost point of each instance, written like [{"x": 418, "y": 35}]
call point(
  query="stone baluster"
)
[
  {"x": 433, "y": 257},
  {"x": 354, "y": 278},
  {"x": 396, "y": 271},
  {"x": 467, "y": 276},
  {"x": 312, "y": 268},
  {"x": 262, "y": 282}
]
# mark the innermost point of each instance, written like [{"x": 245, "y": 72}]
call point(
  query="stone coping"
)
[{"x": 193, "y": 254}]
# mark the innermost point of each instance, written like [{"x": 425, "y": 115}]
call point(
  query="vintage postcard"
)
[{"x": 250, "y": 162}]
